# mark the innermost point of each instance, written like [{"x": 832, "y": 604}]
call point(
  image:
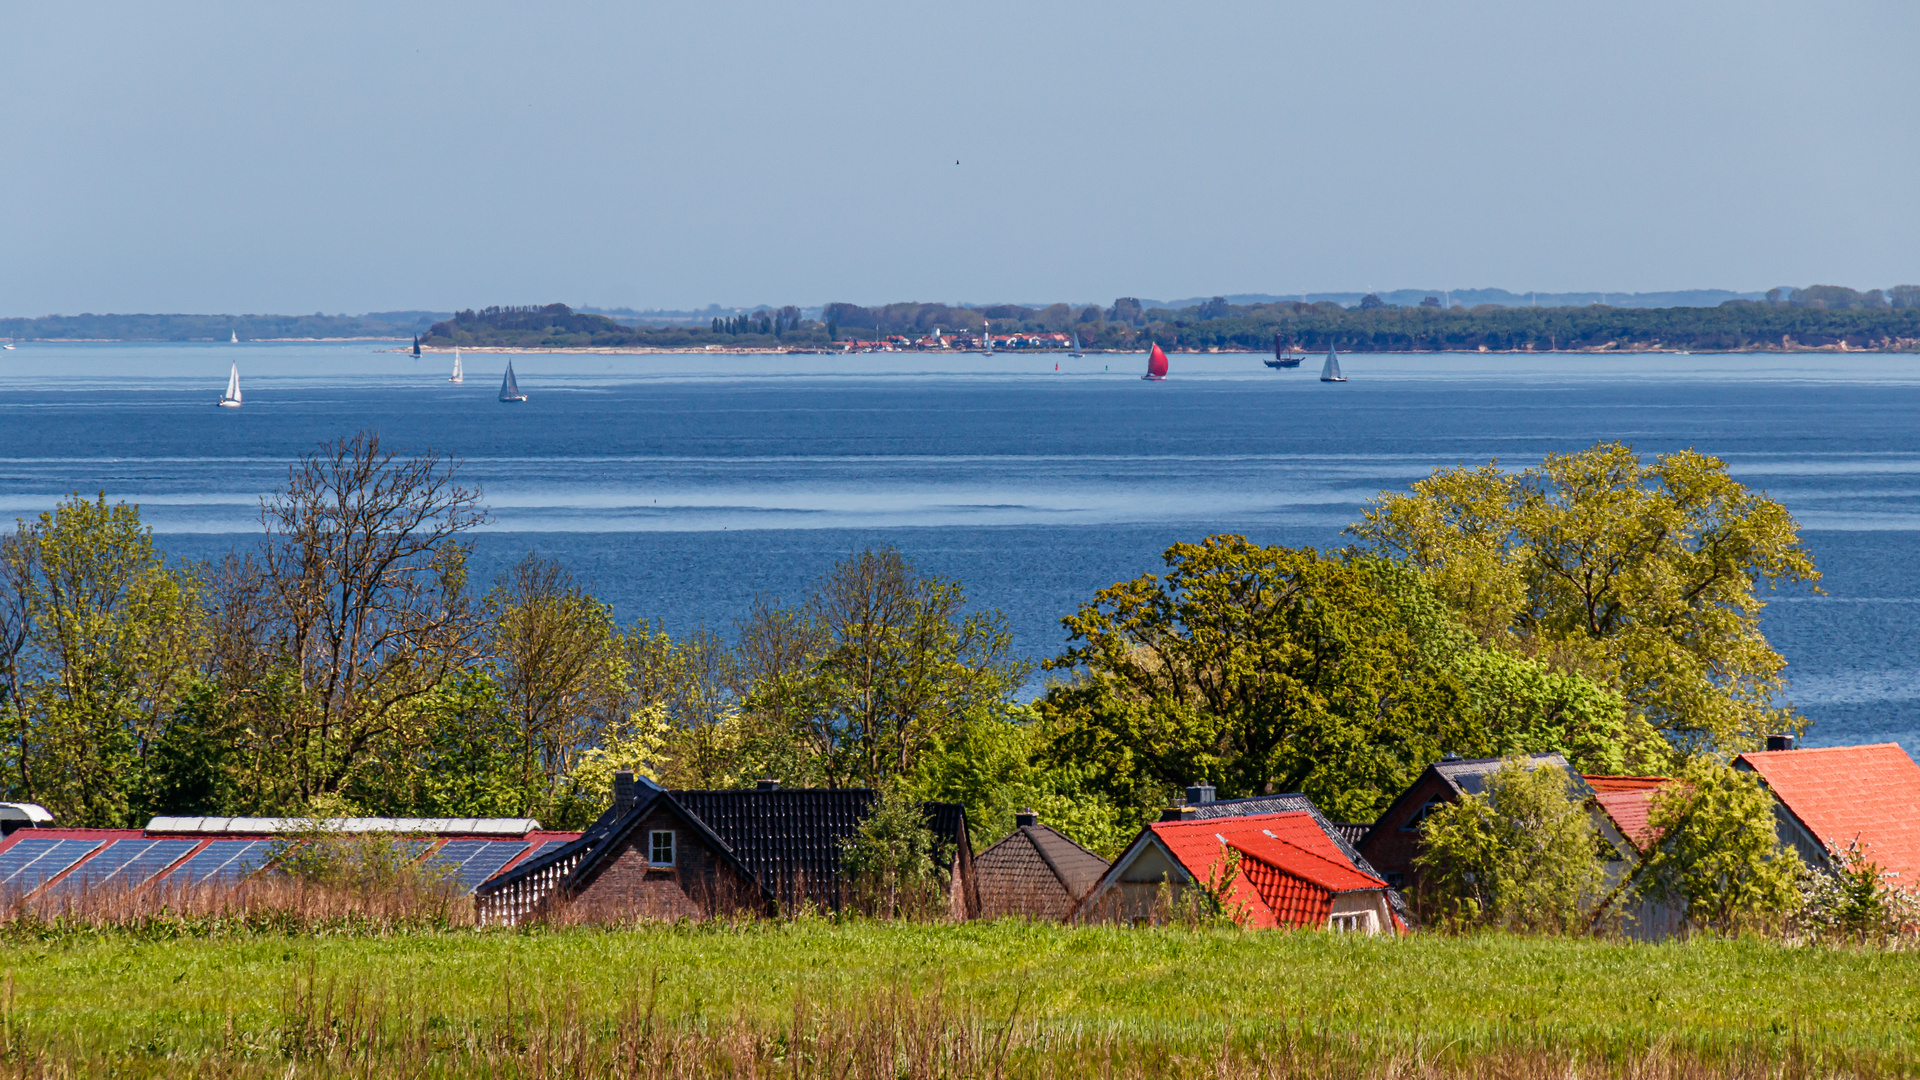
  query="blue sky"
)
[{"x": 347, "y": 157}]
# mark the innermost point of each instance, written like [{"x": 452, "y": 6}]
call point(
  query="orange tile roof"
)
[
  {"x": 1603, "y": 784},
  {"x": 1844, "y": 793},
  {"x": 1290, "y": 869},
  {"x": 1629, "y": 809}
]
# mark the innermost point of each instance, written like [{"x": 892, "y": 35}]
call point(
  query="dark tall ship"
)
[{"x": 1280, "y": 357}]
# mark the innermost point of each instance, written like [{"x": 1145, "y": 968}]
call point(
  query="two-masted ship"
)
[{"x": 1281, "y": 358}]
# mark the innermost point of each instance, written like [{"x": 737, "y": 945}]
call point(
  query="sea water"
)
[{"x": 679, "y": 487}]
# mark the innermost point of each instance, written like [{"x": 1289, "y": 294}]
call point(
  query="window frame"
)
[{"x": 653, "y": 848}]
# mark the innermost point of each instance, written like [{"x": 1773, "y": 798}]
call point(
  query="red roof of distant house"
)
[
  {"x": 1847, "y": 793},
  {"x": 1290, "y": 869}
]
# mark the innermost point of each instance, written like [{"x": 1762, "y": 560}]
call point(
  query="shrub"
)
[{"x": 1521, "y": 855}]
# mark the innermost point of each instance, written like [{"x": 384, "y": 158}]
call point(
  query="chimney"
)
[
  {"x": 1177, "y": 813},
  {"x": 1199, "y": 793},
  {"x": 625, "y": 792},
  {"x": 1782, "y": 742},
  {"x": 766, "y": 783},
  {"x": 1025, "y": 818}
]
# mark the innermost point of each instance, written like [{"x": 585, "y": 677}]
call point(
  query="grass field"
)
[{"x": 969, "y": 1000}]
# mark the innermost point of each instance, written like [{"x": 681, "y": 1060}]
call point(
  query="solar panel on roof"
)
[
  {"x": 487, "y": 862},
  {"x": 223, "y": 860},
  {"x": 470, "y": 862},
  {"x": 126, "y": 864},
  {"x": 30, "y": 862}
]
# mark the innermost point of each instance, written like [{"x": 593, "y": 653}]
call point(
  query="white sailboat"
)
[
  {"x": 986, "y": 335},
  {"x": 234, "y": 336},
  {"x": 509, "y": 389},
  {"x": 231, "y": 399},
  {"x": 1075, "y": 351},
  {"x": 1330, "y": 371},
  {"x": 458, "y": 376}
]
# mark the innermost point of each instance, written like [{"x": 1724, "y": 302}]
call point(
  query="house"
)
[
  {"x": 1829, "y": 798},
  {"x": 1621, "y": 807},
  {"x": 1391, "y": 845},
  {"x": 1269, "y": 870},
  {"x": 694, "y": 854},
  {"x": 1035, "y": 872}
]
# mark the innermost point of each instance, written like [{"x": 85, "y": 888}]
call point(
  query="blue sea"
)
[{"x": 679, "y": 487}]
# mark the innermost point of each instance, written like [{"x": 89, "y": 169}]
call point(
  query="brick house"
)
[
  {"x": 1284, "y": 869},
  {"x": 1393, "y": 841},
  {"x": 696, "y": 854},
  {"x": 1829, "y": 798},
  {"x": 1035, "y": 871}
]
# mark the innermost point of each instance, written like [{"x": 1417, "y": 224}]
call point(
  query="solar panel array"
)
[
  {"x": 32, "y": 860},
  {"x": 126, "y": 864},
  {"x": 472, "y": 862},
  {"x": 223, "y": 861}
]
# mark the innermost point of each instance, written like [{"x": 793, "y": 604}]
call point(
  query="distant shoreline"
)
[{"x": 616, "y": 350}]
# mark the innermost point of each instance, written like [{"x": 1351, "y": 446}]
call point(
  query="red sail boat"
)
[{"x": 1156, "y": 365}]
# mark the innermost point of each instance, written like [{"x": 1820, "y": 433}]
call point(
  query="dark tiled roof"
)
[
  {"x": 1352, "y": 831},
  {"x": 1468, "y": 776},
  {"x": 1035, "y": 870},
  {"x": 792, "y": 838}
]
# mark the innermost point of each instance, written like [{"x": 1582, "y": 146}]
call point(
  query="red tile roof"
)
[
  {"x": 1629, "y": 809},
  {"x": 1844, "y": 793},
  {"x": 1290, "y": 869}
]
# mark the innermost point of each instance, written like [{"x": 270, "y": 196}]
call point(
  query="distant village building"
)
[
  {"x": 1393, "y": 841},
  {"x": 1269, "y": 870},
  {"x": 1035, "y": 872},
  {"x": 1829, "y": 798},
  {"x": 697, "y": 854}
]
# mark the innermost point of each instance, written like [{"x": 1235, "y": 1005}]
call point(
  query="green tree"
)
[
  {"x": 97, "y": 641},
  {"x": 890, "y": 661},
  {"x": 1261, "y": 669},
  {"x": 556, "y": 659},
  {"x": 891, "y": 860},
  {"x": 1523, "y": 854},
  {"x": 1643, "y": 576},
  {"x": 997, "y": 765},
  {"x": 1718, "y": 857}
]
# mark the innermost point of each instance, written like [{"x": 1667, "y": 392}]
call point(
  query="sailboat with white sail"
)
[
  {"x": 986, "y": 338},
  {"x": 1330, "y": 371},
  {"x": 231, "y": 399},
  {"x": 1075, "y": 351},
  {"x": 234, "y": 336},
  {"x": 509, "y": 389},
  {"x": 458, "y": 376}
]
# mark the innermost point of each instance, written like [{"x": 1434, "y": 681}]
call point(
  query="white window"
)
[
  {"x": 1359, "y": 922},
  {"x": 660, "y": 849}
]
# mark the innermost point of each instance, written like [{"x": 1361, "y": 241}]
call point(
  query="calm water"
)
[{"x": 679, "y": 487}]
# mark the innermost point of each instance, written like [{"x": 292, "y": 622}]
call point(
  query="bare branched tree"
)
[{"x": 365, "y": 574}]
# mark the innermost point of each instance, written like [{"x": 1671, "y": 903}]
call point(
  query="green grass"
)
[{"x": 108, "y": 995}]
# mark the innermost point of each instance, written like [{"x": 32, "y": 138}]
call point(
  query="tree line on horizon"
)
[{"x": 1816, "y": 317}]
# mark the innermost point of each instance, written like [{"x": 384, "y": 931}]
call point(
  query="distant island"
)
[{"x": 1819, "y": 317}]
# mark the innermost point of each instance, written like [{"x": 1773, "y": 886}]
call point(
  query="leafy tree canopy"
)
[{"x": 1642, "y": 575}]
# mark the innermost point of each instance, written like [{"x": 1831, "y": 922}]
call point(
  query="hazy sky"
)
[{"x": 345, "y": 157}]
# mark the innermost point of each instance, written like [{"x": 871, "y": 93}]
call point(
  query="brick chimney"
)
[
  {"x": 1199, "y": 794},
  {"x": 625, "y": 792},
  {"x": 1025, "y": 818}
]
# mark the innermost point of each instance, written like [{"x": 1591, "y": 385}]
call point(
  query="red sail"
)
[{"x": 1157, "y": 363}]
